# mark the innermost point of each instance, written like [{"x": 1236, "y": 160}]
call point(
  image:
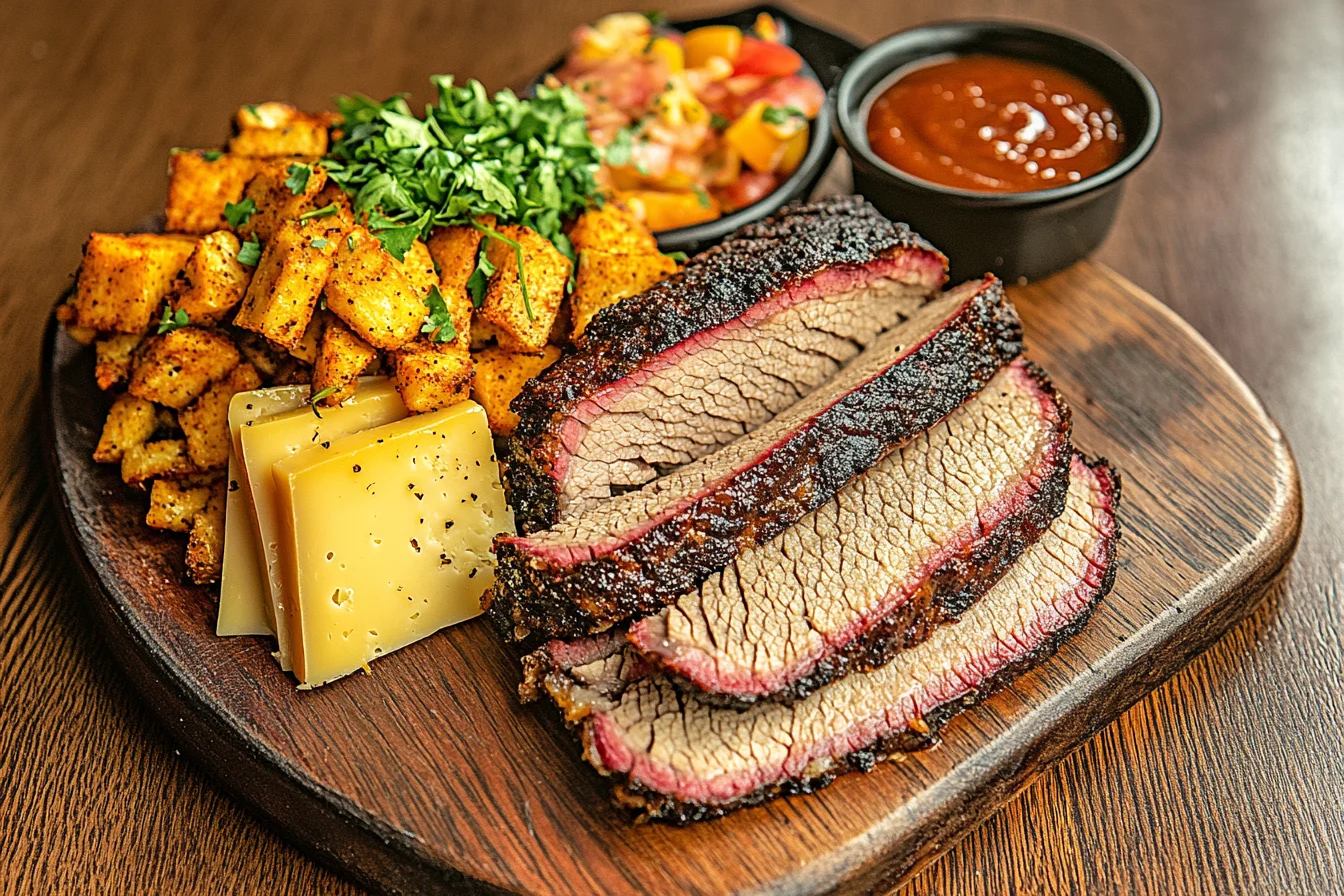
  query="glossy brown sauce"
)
[{"x": 994, "y": 125}]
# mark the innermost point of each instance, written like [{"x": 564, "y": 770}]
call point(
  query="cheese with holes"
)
[
  {"x": 388, "y": 538},
  {"x": 266, "y": 441},
  {"x": 244, "y": 603}
]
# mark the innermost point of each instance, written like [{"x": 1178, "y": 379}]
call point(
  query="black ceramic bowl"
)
[
  {"x": 1015, "y": 235},
  {"x": 825, "y": 55}
]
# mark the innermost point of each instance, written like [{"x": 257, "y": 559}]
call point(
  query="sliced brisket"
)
[
  {"x": 679, "y": 758},
  {"x": 635, "y": 553},
  {"x": 740, "y": 334},
  {"x": 909, "y": 544}
]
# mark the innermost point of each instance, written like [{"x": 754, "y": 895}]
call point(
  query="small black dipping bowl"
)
[
  {"x": 1015, "y": 235},
  {"x": 825, "y": 55}
]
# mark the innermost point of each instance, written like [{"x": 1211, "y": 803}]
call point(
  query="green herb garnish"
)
[
  {"x": 439, "y": 323},
  {"x": 298, "y": 177},
  {"x": 718, "y": 122},
  {"x": 325, "y": 211},
  {"x": 701, "y": 196},
  {"x": 678, "y": 257},
  {"x": 212, "y": 155},
  {"x": 238, "y": 213},
  {"x": 778, "y": 115},
  {"x": 525, "y": 161},
  {"x": 522, "y": 276},
  {"x": 318, "y": 396},
  {"x": 319, "y": 243},
  {"x": 172, "y": 320},
  {"x": 249, "y": 253},
  {"x": 657, "y": 18}
]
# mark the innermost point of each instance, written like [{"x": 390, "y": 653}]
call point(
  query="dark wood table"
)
[{"x": 1227, "y": 779}]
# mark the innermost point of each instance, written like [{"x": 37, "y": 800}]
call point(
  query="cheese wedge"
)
[
  {"x": 388, "y": 538},
  {"x": 244, "y": 602},
  {"x": 275, "y": 438}
]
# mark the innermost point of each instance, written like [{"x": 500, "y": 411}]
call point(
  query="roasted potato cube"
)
[
  {"x": 280, "y": 300},
  {"x": 547, "y": 273},
  {"x": 130, "y": 422},
  {"x": 432, "y": 376},
  {"x": 267, "y": 130},
  {"x": 67, "y": 314},
  {"x": 176, "y": 367},
  {"x": 172, "y": 504},
  {"x": 213, "y": 281},
  {"x": 205, "y": 422},
  {"x": 604, "y": 278},
  {"x": 484, "y": 334},
  {"x": 454, "y": 249},
  {"x": 114, "y": 358},
  {"x": 371, "y": 292},
  {"x": 311, "y": 343},
  {"x": 205, "y": 545},
  {"x": 164, "y": 459},
  {"x": 562, "y": 330},
  {"x": 342, "y": 358},
  {"x": 276, "y": 202},
  {"x": 200, "y": 184},
  {"x": 419, "y": 267},
  {"x": 500, "y": 375},
  {"x": 259, "y": 353},
  {"x": 612, "y": 228},
  {"x": 124, "y": 277}
]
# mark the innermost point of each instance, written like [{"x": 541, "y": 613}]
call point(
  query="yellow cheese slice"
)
[
  {"x": 388, "y": 538},
  {"x": 275, "y": 438},
  {"x": 244, "y": 603}
]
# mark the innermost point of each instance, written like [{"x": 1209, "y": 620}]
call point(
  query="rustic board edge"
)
[{"x": 340, "y": 835}]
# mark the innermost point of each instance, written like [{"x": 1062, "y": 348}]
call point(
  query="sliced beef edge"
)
[
  {"x": 699, "y": 772},
  {"x": 716, "y": 287},
  {"x": 636, "y": 553},
  {"x": 778, "y": 623}
]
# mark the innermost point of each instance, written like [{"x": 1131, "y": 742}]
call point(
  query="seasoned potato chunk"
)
[
  {"x": 124, "y": 277},
  {"x": 280, "y": 300},
  {"x": 176, "y": 367},
  {"x": 371, "y": 292},
  {"x": 276, "y": 129},
  {"x": 311, "y": 343},
  {"x": 130, "y": 422},
  {"x": 172, "y": 504},
  {"x": 500, "y": 375},
  {"x": 67, "y": 314},
  {"x": 205, "y": 422},
  {"x": 275, "y": 200},
  {"x": 113, "y": 355},
  {"x": 164, "y": 459},
  {"x": 454, "y": 250},
  {"x": 547, "y": 273},
  {"x": 419, "y": 267},
  {"x": 213, "y": 281},
  {"x": 200, "y": 184},
  {"x": 431, "y": 376},
  {"x": 604, "y": 278},
  {"x": 612, "y": 228},
  {"x": 341, "y": 359},
  {"x": 259, "y": 353},
  {"x": 205, "y": 545}
]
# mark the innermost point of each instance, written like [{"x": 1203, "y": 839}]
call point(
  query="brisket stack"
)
[{"x": 788, "y": 511}]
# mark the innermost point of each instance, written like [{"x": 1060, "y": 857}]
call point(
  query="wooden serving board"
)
[{"x": 428, "y": 776}]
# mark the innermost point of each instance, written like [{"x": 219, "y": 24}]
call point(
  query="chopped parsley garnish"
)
[
  {"x": 701, "y": 196},
  {"x": 678, "y": 257},
  {"x": 172, "y": 320},
  {"x": 318, "y": 396},
  {"x": 212, "y": 155},
  {"x": 517, "y": 248},
  {"x": 252, "y": 110},
  {"x": 476, "y": 283},
  {"x": 778, "y": 115},
  {"x": 298, "y": 177},
  {"x": 439, "y": 323},
  {"x": 319, "y": 243},
  {"x": 249, "y": 253},
  {"x": 718, "y": 122},
  {"x": 525, "y": 161},
  {"x": 238, "y": 213},
  {"x": 657, "y": 18},
  {"x": 325, "y": 211}
]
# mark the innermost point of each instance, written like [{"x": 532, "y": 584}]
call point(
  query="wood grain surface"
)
[{"x": 1228, "y": 779}]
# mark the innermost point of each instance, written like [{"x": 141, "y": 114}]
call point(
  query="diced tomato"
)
[
  {"x": 752, "y": 186},
  {"x": 762, "y": 57}
]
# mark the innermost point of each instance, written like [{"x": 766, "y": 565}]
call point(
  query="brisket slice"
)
[
  {"x": 679, "y": 758},
  {"x": 740, "y": 334},
  {"x": 911, "y": 543},
  {"x": 637, "y": 552}
]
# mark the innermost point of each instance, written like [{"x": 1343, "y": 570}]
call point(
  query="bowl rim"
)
[{"x": 855, "y": 141}]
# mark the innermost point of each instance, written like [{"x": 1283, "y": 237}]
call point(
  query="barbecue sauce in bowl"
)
[{"x": 992, "y": 124}]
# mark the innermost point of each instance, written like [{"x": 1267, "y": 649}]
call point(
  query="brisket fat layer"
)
[
  {"x": 909, "y": 544},
  {"x": 678, "y": 758},
  {"x": 635, "y": 553},
  {"x": 743, "y": 331}
]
